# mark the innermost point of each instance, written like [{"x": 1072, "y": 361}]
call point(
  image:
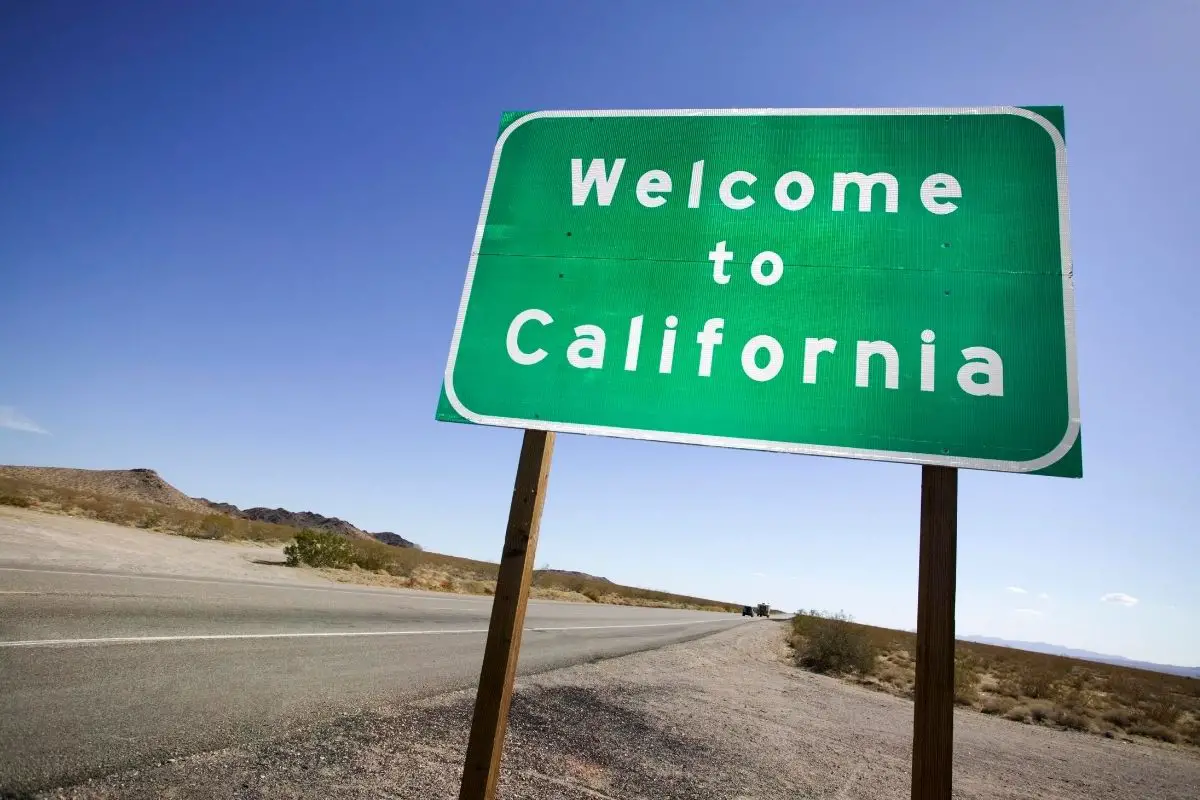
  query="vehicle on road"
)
[
  {"x": 763, "y": 610},
  {"x": 747, "y": 611}
]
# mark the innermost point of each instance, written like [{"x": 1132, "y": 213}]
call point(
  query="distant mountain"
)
[
  {"x": 305, "y": 519},
  {"x": 1085, "y": 655},
  {"x": 566, "y": 573}
]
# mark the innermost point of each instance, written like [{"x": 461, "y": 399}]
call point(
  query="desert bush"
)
[
  {"x": 1125, "y": 687},
  {"x": 103, "y": 509},
  {"x": 215, "y": 526},
  {"x": 1153, "y": 730},
  {"x": 1120, "y": 717},
  {"x": 319, "y": 549},
  {"x": 1071, "y": 720},
  {"x": 891, "y": 674},
  {"x": 1040, "y": 713},
  {"x": 150, "y": 519},
  {"x": 1037, "y": 684},
  {"x": 1081, "y": 678},
  {"x": 15, "y": 500},
  {"x": 266, "y": 531},
  {"x": 371, "y": 558},
  {"x": 1017, "y": 714},
  {"x": 1072, "y": 697},
  {"x": 966, "y": 680},
  {"x": 998, "y": 705},
  {"x": 832, "y": 643},
  {"x": 1161, "y": 711},
  {"x": 1008, "y": 687},
  {"x": 399, "y": 569}
]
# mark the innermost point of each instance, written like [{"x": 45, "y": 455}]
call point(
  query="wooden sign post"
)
[
  {"x": 933, "y": 721},
  {"x": 481, "y": 771}
]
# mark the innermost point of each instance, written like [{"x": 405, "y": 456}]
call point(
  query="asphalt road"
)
[{"x": 101, "y": 672}]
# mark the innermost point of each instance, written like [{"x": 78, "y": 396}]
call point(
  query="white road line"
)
[
  {"x": 392, "y": 591},
  {"x": 206, "y": 637}
]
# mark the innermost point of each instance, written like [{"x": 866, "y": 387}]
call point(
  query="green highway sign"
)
[{"x": 890, "y": 284}]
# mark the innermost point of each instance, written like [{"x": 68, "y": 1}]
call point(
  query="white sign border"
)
[{"x": 962, "y": 462}]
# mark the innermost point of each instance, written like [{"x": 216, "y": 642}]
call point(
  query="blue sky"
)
[{"x": 234, "y": 236}]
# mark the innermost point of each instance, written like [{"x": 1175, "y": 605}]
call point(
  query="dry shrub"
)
[
  {"x": 1079, "y": 679},
  {"x": 1041, "y": 713},
  {"x": 1073, "y": 697},
  {"x": 15, "y": 500},
  {"x": 1119, "y": 717},
  {"x": 399, "y": 569},
  {"x": 1037, "y": 684},
  {"x": 891, "y": 674},
  {"x": 1071, "y": 720},
  {"x": 1163, "y": 712},
  {"x": 265, "y": 531},
  {"x": 966, "y": 682},
  {"x": 1126, "y": 687},
  {"x": 832, "y": 644},
  {"x": 216, "y": 526},
  {"x": 1008, "y": 688},
  {"x": 1017, "y": 714},
  {"x": 371, "y": 556},
  {"x": 998, "y": 705},
  {"x": 1154, "y": 730}
]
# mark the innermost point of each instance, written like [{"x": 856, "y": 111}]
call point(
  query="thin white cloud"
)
[
  {"x": 1028, "y": 612},
  {"x": 1119, "y": 598},
  {"x": 1016, "y": 590},
  {"x": 758, "y": 574},
  {"x": 1043, "y": 596},
  {"x": 14, "y": 420}
]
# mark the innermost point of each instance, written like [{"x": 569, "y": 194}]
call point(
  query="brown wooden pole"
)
[
  {"x": 481, "y": 771},
  {"x": 933, "y": 723}
]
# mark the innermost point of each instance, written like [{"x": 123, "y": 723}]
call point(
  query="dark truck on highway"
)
[{"x": 763, "y": 610}]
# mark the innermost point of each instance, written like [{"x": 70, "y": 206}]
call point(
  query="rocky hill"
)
[
  {"x": 138, "y": 485},
  {"x": 394, "y": 539},
  {"x": 305, "y": 519}
]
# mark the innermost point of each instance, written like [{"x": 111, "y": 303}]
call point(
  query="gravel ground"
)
[
  {"x": 51, "y": 541},
  {"x": 722, "y": 717}
]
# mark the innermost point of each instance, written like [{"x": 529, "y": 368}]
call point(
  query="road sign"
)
[{"x": 890, "y": 284}]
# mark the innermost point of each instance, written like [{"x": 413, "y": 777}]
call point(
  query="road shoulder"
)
[{"x": 720, "y": 717}]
